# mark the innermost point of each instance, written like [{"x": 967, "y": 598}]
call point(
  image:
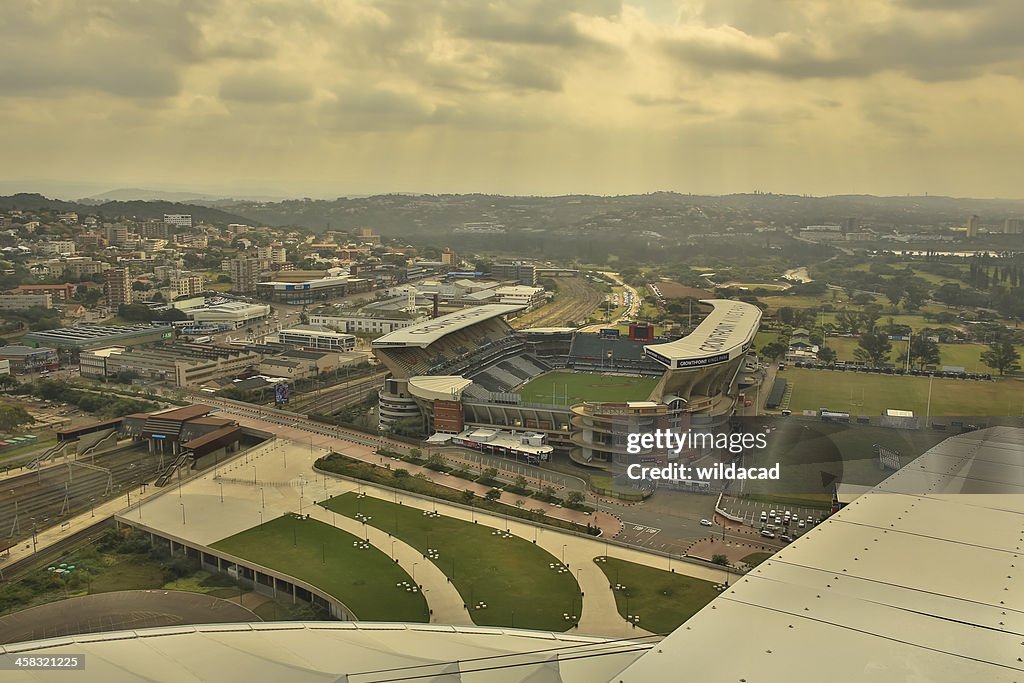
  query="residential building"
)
[
  {"x": 57, "y": 248},
  {"x": 116, "y": 234},
  {"x": 188, "y": 285},
  {"x": 118, "y": 288},
  {"x": 244, "y": 273},
  {"x": 182, "y": 220},
  {"x": 59, "y": 294},
  {"x": 519, "y": 271},
  {"x": 19, "y": 302},
  {"x": 972, "y": 226}
]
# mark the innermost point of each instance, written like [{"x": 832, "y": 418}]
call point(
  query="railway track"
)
[
  {"x": 575, "y": 300},
  {"x": 56, "y": 550},
  {"x": 41, "y": 499}
]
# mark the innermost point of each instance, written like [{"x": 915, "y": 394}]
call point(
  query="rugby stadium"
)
[{"x": 581, "y": 391}]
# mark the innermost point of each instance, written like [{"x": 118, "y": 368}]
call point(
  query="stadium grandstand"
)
[{"x": 486, "y": 372}]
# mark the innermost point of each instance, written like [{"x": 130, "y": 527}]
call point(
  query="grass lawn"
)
[
  {"x": 511, "y": 575},
  {"x": 869, "y": 394},
  {"x": 661, "y": 599},
  {"x": 577, "y": 387},
  {"x": 754, "y": 559},
  {"x": 365, "y": 580},
  {"x": 127, "y": 573},
  {"x": 960, "y": 355}
]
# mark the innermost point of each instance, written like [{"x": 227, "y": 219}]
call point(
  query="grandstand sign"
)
[{"x": 725, "y": 334}]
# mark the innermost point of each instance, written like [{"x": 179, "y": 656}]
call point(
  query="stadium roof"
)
[
  {"x": 336, "y": 651},
  {"x": 427, "y": 332},
  {"x": 918, "y": 579},
  {"x": 724, "y": 334},
  {"x": 438, "y": 387}
]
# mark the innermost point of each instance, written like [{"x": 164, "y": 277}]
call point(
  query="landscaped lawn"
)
[
  {"x": 754, "y": 559},
  {"x": 511, "y": 575},
  {"x": 364, "y": 580},
  {"x": 663, "y": 600},
  {"x": 567, "y": 388},
  {"x": 860, "y": 393}
]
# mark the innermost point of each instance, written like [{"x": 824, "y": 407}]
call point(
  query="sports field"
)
[
  {"x": 567, "y": 388},
  {"x": 861, "y": 393},
  {"x": 364, "y": 580},
  {"x": 512, "y": 576},
  {"x": 967, "y": 356},
  {"x": 661, "y": 599}
]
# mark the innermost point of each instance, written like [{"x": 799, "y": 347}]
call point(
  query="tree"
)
[
  {"x": 521, "y": 482},
  {"x": 774, "y": 350},
  {"x": 720, "y": 559},
  {"x": 12, "y": 417},
  {"x": 489, "y": 473},
  {"x": 436, "y": 462},
  {"x": 874, "y": 348},
  {"x": 468, "y": 496},
  {"x": 923, "y": 351},
  {"x": 575, "y": 498},
  {"x": 8, "y": 382},
  {"x": 493, "y": 494},
  {"x": 827, "y": 355},
  {"x": 1002, "y": 356}
]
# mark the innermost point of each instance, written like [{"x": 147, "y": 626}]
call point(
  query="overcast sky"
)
[{"x": 514, "y": 97}]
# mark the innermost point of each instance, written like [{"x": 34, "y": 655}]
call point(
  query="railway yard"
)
[
  {"x": 40, "y": 499},
  {"x": 575, "y": 301}
]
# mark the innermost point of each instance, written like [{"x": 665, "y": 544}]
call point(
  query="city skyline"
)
[{"x": 355, "y": 98}]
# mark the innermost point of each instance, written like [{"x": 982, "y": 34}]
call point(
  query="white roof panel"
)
[
  {"x": 916, "y": 580},
  {"x": 429, "y": 331},
  {"x": 723, "y": 335}
]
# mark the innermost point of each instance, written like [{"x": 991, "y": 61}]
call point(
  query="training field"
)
[
  {"x": 860, "y": 393},
  {"x": 364, "y": 580},
  {"x": 567, "y": 388},
  {"x": 511, "y": 575}
]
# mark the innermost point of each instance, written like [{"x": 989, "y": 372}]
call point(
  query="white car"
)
[
  {"x": 801, "y": 524},
  {"x": 705, "y": 522},
  {"x": 767, "y": 534}
]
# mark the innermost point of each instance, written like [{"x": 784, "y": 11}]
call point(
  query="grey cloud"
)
[
  {"x": 528, "y": 74},
  {"x": 360, "y": 108},
  {"x": 987, "y": 39},
  {"x": 123, "y": 48},
  {"x": 264, "y": 86}
]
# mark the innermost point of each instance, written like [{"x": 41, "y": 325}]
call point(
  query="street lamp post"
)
[
  {"x": 221, "y": 491},
  {"x": 182, "y": 512}
]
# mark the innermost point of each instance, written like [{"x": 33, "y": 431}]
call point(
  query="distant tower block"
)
[
  {"x": 410, "y": 299},
  {"x": 972, "y": 226}
]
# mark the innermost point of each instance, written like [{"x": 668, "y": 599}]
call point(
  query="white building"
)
[
  {"x": 183, "y": 220},
  {"x": 234, "y": 313},
  {"x": 317, "y": 337},
  {"x": 353, "y": 324},
  {"x": 188, "y": 285},
  {"x": 57, "y": 248}
]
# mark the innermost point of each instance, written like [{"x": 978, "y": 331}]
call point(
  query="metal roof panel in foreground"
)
[{"x": 921, "y": 579}]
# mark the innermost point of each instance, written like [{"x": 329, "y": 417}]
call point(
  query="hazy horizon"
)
[{"x": 364, "y": 97}]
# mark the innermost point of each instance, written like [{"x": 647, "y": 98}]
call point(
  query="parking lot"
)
[{"x": 751, "y": 511}]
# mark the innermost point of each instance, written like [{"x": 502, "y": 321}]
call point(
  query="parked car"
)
[
  {"x": 705, "y": 522},
  {"x": 767, "y": 534}
]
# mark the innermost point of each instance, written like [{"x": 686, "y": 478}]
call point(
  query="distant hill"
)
[
  {"x": 127, "y": 194},
  {"x": 127, "y": 209}
]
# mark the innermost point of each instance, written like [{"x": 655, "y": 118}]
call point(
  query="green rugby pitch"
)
[
  {"x": 511, "y": 576},
  {"x": 567, "y": 388},
  {"x": 364, "y": 580}
]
